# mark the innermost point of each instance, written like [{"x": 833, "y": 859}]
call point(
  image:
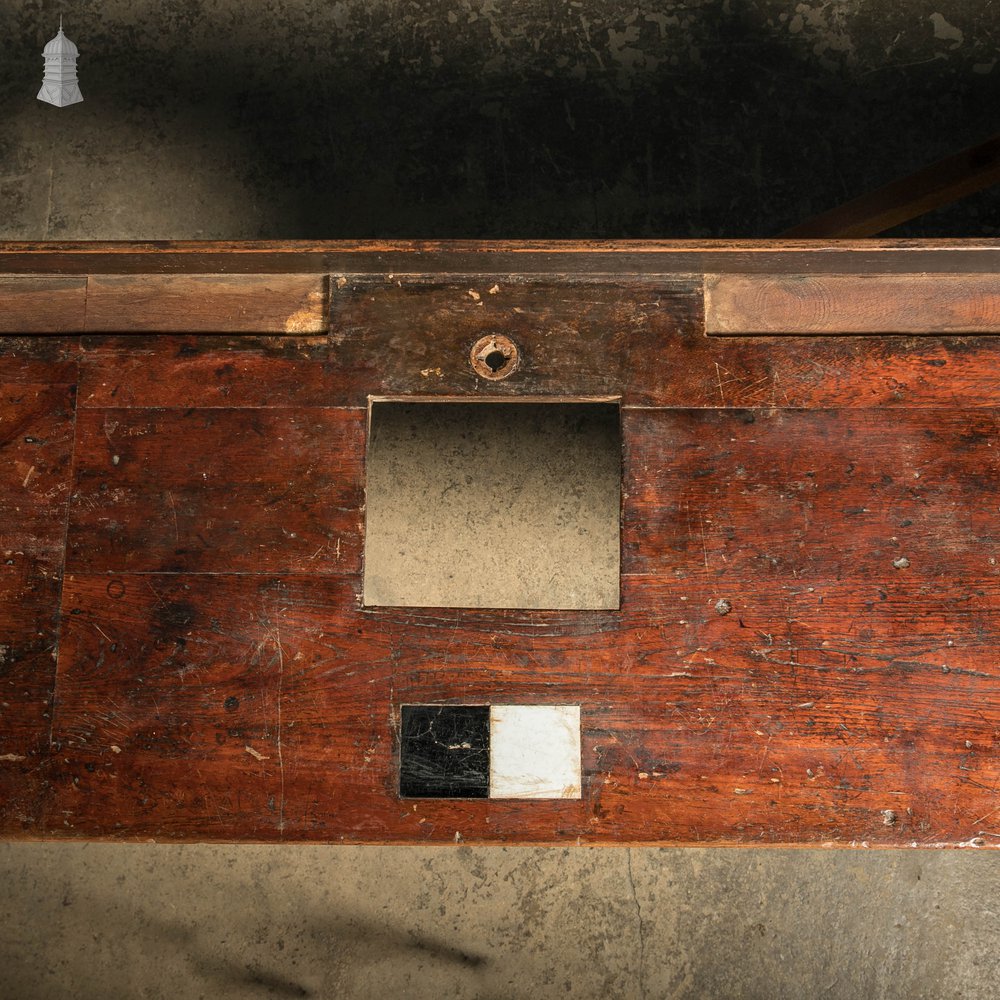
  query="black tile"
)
[{"x": 444, "y": 752}]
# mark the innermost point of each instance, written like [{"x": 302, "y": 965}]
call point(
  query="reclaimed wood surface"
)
[
  {"x": 42, "y": 303},
  {"x": 499, "y": 257},
  {"x": 253, "y": 706},
  {"x": 851, "y": 676},
  {"x": 285, "y": 287},
  {"x": 818, "y": 495},
  {"x": 37, "y": 415},
  {"x": 805, "y": 651},
  {"x": 634, "y": 315},
  {"x": 740, "y": 305},
  {"x": 684, "y": 367},
  {"x": 252, "y": 490},
  {"x": 214, "y": 303}
]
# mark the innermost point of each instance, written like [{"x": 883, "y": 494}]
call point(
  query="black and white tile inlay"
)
[
  {"x": 490, "y": 751},
  {"x": 445, "y": 751}
]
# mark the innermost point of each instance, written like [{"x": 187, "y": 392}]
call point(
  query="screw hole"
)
[
  {"x": 494, "y": 357},
  {"x": 495, "y": 360}
]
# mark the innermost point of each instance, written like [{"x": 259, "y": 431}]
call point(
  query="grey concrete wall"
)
[
  {"x": 213, "y": 119},
  {"x": 487, "y": 118}
]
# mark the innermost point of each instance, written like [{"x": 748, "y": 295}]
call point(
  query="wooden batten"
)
[
  {"x": 832, "y": 304},
  {"x": 207, "y": 303},
  {"x": 31, "y": 304}
]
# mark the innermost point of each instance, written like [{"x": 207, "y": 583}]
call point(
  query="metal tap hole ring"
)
[{"x": 494, "y": 357}]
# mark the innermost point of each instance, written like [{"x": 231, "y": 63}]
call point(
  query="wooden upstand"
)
[{"x": 799, "y": 646}]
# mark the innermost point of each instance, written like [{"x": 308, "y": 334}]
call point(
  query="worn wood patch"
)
[
  {"x": 160, "y": 370},
  {"x": 42, "y": 303},
  {"x": 36, "y": 446},
  {"x": 209, "y": 303},
  {"x": 39, "y": 360},
  {"x": 600, "y": 338},
  {"x": 233, "y": 707},
  {"x": 832, "y": 495},
  {"x": 805, "y": 715},
  {"x": 210, "y": 490},
  {"x": 852, "y": 304},
  {"x": 36, "y": 449},
  {"x": 535, "y": 257},
  {"x": 832, "y": 372},
  {"x": 696, "y": 371},
  {"x": 29, "y": 603}
]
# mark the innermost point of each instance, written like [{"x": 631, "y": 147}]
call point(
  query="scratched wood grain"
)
[
  {"x": 778, "y": 721},
  {"x": 213, "y": 490},
  {"x": 771, "y": 677},
  {"x": 693, "y": 371},
  {"x": 41, "y": 303},
  {"x": 39, "y": 360},
  {"x": 834, "y": 372},
  {"x": 210, "y": 303},
  {"x": 36, "y": 437},
  {"x": 29, "y": 607},
  {"x": 740, "y": 305},
  {"x": 162, "y": 370},
  {"x": 642, "y": 340},
  {"x": 601, "y": 338},
  {"x": 851, "y": 494},
  {"x": 182, "y": 707},
  {"x": 799, "y": 717},
  {"x": 36, "y": 447}
]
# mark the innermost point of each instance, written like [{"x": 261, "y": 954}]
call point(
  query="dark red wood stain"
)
[
  {"x": 36, "y": 449},
  {"x": 806, "y": 649},
  {"x": 39, "y": 360},
  {"x": 818, "y": 495},
  {"x": 800, "y": 716},
  {"x": 188, "y": 371},
  {"x": 240, "y": 706},
  {"x": 29, "y": 602},
  {"x": 257, "y": 490}
]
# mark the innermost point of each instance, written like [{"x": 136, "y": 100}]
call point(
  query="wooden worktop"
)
[{"x": 806, "y": 647}]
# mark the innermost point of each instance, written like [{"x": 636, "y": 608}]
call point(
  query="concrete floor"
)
[
  {"x": 182, "y": 135},
  {"x": 98, "y": 921}
]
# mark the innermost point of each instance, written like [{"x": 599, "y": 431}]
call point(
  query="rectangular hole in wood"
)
[{"x": 493, "y": 505}]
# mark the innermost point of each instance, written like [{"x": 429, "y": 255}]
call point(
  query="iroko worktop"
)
[{"x": 806, "y": 650}]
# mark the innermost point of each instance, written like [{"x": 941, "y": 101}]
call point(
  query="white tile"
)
[{"x": 535, "y": 752}]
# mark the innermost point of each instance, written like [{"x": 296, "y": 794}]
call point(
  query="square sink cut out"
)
[{"x": 493, "y": 505}]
